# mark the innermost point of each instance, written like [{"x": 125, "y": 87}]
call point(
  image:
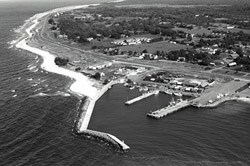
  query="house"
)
[
  {"x": 181, "y": 59},
  {"x": 233, "y": 56},
  {"x": 187, "y": 89},
  {"x": 90, "y": 39},
  {"x": 204, "y": 85},
  {"x": 189, "y": 84},
  {"x": 232, "y": 64}
]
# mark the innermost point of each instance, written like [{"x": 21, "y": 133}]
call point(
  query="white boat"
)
[
  {"x": 132, "y": 88},
  {"x": 157, "y": 92},
  {"x": 210, "y": 101},
  {"x": 141, "y": 89},
  {"x": 177, "y": 93},
  {"x": 179, "y": 100},
  {"x": 172, "y": 102},
  {"x": 169, "y": 92},
  {"x": 146, "y": 89}
]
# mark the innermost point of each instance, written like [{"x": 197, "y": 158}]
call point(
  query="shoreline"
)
[{"x": 80, "y": 85}]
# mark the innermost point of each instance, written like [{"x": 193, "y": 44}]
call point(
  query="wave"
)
[
  {"x": 82, "y": 85},
  {"x": 58, "y": 93}
]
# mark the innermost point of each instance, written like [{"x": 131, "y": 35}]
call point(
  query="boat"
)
[
  {"x": 210, "y": 101},
  {"x": 157, "y": 92},
  {"x": 226, "y": 94},
  {"x": 131, "y": 88},
  {"x": 219, "y": 96},
  {"x": 179, "y": 100},
  {"x": 172, "y": 102},
  {"x": 169, "y": 92},
  {"x": 145, "y": 89},
  {"x": 177, "y": 93}
]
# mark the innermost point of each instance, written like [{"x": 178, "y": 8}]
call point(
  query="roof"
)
[
  {"x": 234, "y": 56},
  {"x": 190, "y": 84}
]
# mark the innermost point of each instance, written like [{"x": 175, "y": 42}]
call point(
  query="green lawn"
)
[{"x": 153, "y": 47}]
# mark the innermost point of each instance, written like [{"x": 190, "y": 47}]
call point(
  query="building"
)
[
  {"x": 233, "y": 56},
  {"x": 232, "y": 64}
]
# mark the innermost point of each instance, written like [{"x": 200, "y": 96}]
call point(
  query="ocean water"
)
[{"x": 37, "y": 116}]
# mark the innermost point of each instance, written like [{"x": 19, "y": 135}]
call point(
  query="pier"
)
[
  {"x": 168, "y": 110},
  {"x": 143, "y": 96}
]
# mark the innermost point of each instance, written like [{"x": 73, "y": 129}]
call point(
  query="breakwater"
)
[
  {"x": 86, "y": 111},
  {"x": 88, "y": 106},
  {"x": 106, "y": 138}
]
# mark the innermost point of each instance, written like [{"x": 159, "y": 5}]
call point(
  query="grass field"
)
[
  {"x": 229, "y": 72},
  {"x": 199, "y": 31},
  {"x": 153, "y": 47}
]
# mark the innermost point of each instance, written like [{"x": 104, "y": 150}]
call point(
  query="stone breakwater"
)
[{"x": 86, "y": 108}]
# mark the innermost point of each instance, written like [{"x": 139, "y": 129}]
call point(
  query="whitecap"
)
[
  {"x": 62, "y": 93},
  {"x": 32, "y": 67},
  {"x": 35, "y": 70},
  {"x": 37, "y": 89},
  {"x": 34, "y": 85}
]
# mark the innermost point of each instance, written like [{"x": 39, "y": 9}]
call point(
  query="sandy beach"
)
[{"x": 82, "y": 85}]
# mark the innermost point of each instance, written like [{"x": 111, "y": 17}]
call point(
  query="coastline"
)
[{"x": 80, "y": 85}]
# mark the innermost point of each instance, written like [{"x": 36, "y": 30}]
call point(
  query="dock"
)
[
  {"x": 143, "y": 96},
  {"x": 168, "y": 110}
]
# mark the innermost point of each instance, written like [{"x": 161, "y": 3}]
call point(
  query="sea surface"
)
[{"x": 37, "y": 116}]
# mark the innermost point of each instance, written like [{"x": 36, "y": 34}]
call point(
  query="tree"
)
[
  {"x": 61, "y": 61},
  {"x": 51, "y": 21},
  {"x": 189, "y": 37},
  {"x": 97, "y": 76},
  {"x": 106, "y": 81},
  {"x": 129, "y": 81}
]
